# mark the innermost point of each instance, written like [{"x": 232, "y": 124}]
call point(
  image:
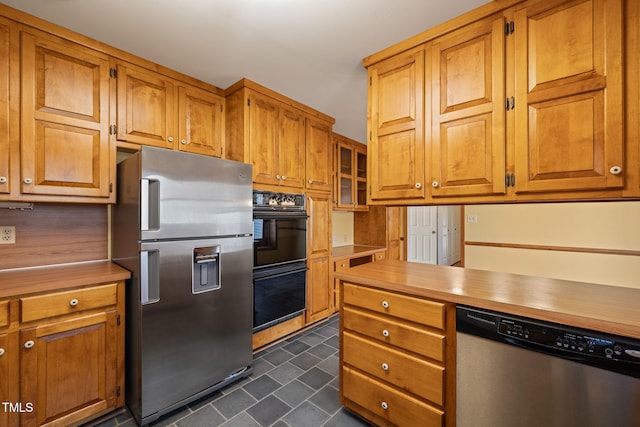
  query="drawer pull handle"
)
[
  {"x": 385, "y": 333},
  {"x": 385, "y": 304},
  {"x": 1, "y": 351},
  {"x": 384, "y": 405},
  {"x": 29, "y": 344},
  {"x": 385, "y": 367},
  {"x": 73, "y": 302}
]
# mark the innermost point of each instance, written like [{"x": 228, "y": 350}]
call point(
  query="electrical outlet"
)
[
  {"x": 472, "y": 218},
  {"x": 7, "y": 235}
]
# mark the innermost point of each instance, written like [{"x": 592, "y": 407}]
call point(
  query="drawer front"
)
[
  {"x": 386, "y": 402},
  {"x": 380, "y": 256},
  {"x": 4, "y": 313},
  {"x": 389, "y": 331},
  {"x": 417, "y": 310},
  {"x": 406, "y": 372},
  {"x": 59, "y": 303},
  {"x": 341, "y": 265}
]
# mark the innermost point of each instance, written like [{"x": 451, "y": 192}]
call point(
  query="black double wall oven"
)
[{"x": 279, "y": 257}]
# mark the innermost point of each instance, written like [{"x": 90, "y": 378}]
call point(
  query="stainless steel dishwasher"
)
[{"x": 519, "y": 372}]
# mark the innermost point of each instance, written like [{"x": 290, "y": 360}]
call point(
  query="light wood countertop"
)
[
  {"x": 352, "y": 251},
  {"x": 43, "y": 279},
  {"x": 610, "y": 309}
]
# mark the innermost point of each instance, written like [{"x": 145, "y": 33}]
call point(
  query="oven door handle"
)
[
  {"x": 279, "y": 215},
  {"x": 282, "y": 273}
]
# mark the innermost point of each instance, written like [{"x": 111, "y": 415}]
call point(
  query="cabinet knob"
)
[
  {"x": 385, "y": 304},
  {"x": 29, "y": 344},
  {"x": 73, "y": 302},
  {"x": 310, "y": 181},
  {"x": 284, "y": 177},
  {"x": 384, "y": 405},
  {"x": 170, "y": 139},
  {"x": 343, "y": 265},
  {"x": 1, "y": 351},
  {"x": 385, "y": 333},
  {"x": 183, "y": 141},
  {"x": 278, "y": 177},
  {"x": 418, "y": 185},
  {"x": 3, "y": 179},
  {"x": 435, "y": 184},
  {"x": 28, "y": 181},
  {"x": 616, "y": 170},
  {"x": 385, "y": 367}
]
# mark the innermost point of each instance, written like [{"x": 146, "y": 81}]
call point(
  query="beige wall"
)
[
  {"x": 589, "y": 242},
  {"x": 342, "y": 224}
]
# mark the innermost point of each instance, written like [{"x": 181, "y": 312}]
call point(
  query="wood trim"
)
[
  {"x": 556, "y": 248},
  {"x": 441, "y": 29}
]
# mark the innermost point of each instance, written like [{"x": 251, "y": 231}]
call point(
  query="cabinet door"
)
[
  {"x": 201, "y": 117},
  {"x": 9, "y": 362},
  {"x": 468, "y": 114},
  {"x": 68, "y": 369},
  {"x": 344, "y": 174},
  {"x": 145, "y": 107},
  {"x": 263, "y": 135},
  {"x": 396, "y": 127},
  {"x": 569, "y": 96},
  {"x": 318, "y": 155},
  {"x": 319, "y": 288},
  {"x": 65, "y": 118},
  {"x": 4, "y": 108},
  {"x": 360, "y": 177},
  {"x": 291, "y": 148}
]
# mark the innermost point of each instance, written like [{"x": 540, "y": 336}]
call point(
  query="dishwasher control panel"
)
[{"x": 569, "y": 340}]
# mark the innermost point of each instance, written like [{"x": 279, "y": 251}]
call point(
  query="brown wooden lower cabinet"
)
[
  {"x": 397, "y": 357},
  {"x": 63, "y": 356}
]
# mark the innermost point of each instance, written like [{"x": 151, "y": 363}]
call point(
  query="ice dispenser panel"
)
[{"x": 206, "y": 269}]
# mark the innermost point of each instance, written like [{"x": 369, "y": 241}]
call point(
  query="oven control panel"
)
[
  {"x": 570, "y": 340},
  {"x": 275, "y": 201}
]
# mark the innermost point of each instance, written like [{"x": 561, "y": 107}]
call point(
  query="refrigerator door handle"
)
[
  {"x": 149, "y": 278},
  {"x": 149, "y": 204}
]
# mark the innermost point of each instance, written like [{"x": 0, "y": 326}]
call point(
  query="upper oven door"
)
[{"x": 279, "y": 239}]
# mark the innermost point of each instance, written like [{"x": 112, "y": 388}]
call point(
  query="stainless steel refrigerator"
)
[{"x": 183, "y": 226}]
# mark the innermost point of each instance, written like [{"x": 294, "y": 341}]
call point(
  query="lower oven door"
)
[{"x": 279, "y": 294}]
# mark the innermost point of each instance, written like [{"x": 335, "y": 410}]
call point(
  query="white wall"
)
[{"x": 589, "y": 242}]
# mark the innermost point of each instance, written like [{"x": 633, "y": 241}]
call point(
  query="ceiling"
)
[{"x": 308, "y": 50}]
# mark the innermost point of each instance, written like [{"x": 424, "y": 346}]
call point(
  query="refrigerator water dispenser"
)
[{"x": 206, "y": 269}]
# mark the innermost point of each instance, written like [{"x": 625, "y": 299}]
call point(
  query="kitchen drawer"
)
[
  {"x": 59, "y": 303},
  {"x": 417, "y": 310},
  {"x": 387, "y": 402},
  {"x": 4, "y": 313},
  {"x": 394, "y": 332},
  {"x": 380, "y": 256},
  {"x": 406, "y": 372}
]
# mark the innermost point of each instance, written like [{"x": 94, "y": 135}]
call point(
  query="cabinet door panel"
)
[
  {"x": 569, "y": 129},
  {"x": 318, "y": 155},
  {"x": 291, "y": 146},
  {"x": 396, "y": 121},
  {"x": 263, "y": 133},
  {"x": 146, "y": 108},
  {"x": 201, "y": 121},
  {"x": 468, "y": 133},
  {"x": 69, "y": 371},
  {"x": 65, "y": 99},
  {"x": 4, "y": 108}
]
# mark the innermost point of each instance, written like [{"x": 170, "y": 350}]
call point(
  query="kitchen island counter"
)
[{"x": 609, "y": 309}]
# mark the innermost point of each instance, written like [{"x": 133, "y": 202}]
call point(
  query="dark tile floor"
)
[{"x": 294, "y": 383}]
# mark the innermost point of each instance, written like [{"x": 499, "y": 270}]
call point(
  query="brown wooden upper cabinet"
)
[
  {"x": 64, "y": 115},
  {"x": 318, "y": 155},
  {"x": 396, "y": 162},
  {"x": 278, "y": 136},
  {"x": 153, "y": 109},
  {"x": 5, "y": 123},
  {"x": 350, "y": 168},
  {"x": 524, "y": 103}
]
